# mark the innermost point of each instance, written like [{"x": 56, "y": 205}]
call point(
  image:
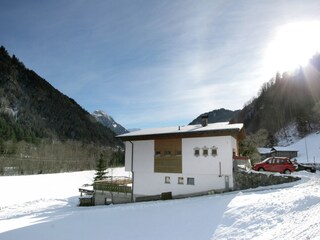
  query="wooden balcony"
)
[{"x": 115, "y": 184}]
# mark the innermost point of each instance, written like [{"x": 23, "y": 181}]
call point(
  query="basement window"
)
[
  {"x": 167, "y": 179},
  {"x": 190, "y": 181},
  {"x": 180, "y": 180}
]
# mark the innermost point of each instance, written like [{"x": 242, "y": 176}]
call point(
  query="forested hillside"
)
[
  {"x": 219, "y": 115},
  {"x": 32, "y": 109},
  {"x": 286, "y": 108},
  {"x": 35, "y": 115},
  {"x": 286, "y": 99}
]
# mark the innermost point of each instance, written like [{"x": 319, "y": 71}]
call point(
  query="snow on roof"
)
[
  {"x": 287, "y": 149},
  {"x": 184, "y": 129},
  {"x": 262, "y": 150}
]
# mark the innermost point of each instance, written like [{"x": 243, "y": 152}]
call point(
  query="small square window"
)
[
  {"x": 197, "y": 152},
  {"x": 214, "y": 151},
  {"x": 190, "y": 181},
  {"x": 158, "y": 153},
  {"x": 180, "y": 180},
  {"x": 167, "y": 153},
  {"x": 205, "y": 151},
  {"x": 166, "y": 179}
]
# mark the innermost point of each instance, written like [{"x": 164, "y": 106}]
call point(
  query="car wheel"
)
[
  {"x": 287, "y": 171},
  {"x": 261, "y": 169}
]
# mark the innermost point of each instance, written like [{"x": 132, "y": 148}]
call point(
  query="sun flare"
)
[{"x": 292, "y": 46}]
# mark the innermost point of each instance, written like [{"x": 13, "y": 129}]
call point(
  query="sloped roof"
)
[
  {"x": 222, "y": 127},
  {"x": 262, "y": 150}
]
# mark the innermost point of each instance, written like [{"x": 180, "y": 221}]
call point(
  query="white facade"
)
[{"x": 211, "y": 172}]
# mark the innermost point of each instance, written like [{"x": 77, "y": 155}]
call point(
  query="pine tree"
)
[{"x": 100, "y": 168}]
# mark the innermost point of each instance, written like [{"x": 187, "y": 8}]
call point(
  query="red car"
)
[{"x": 275, "y": 164}]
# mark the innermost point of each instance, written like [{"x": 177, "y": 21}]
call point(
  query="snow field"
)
[{"x": 287, "y": 211}]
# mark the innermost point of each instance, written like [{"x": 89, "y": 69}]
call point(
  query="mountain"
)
[
  {"x": 109, "y": 122},
  {"x": 31, "y": 109},
  {"x": 219, "y": 115},
  {"x": 290, "y": 99}
]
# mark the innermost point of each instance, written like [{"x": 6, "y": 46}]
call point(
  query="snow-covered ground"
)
[
  {"x": 45, "y": 207},
  {"x": 309, "y": 148}
]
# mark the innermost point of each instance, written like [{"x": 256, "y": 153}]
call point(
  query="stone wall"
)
[{"x": 250, "y": 179}]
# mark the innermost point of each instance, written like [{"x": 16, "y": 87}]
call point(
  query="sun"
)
[{"x": 292, "y": 46}]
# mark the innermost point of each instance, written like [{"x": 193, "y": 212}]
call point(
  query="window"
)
[
  {"x": 214, "y": 151},
  {"x": 190, "y": 181},
  {"x": 158, "y": 154},
  {"x": 180, "y": 180},
  {"x": 178, "y": 153},
  {"x": 271, "y": 161},
  {"x": 197, "y": 152},
  {"x": 166, "y": 179},
  {"x": 167, "y": 153},
  {"x": 205, "y": 151}
]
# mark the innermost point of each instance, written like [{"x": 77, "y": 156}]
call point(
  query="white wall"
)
[
  {"x": 127, "y": 156},
  {"x": 143, "y": 156},
  {"x": 205, "y": 170},
  {"x": 208, "y": 164},
  {"x": 153, "y": 184}
]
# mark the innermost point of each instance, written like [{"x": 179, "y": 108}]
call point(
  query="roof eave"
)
[{"x": 236, "y": 132}]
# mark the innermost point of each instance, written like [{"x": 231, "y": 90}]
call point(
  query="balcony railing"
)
[{"x": 122, "y": 185}]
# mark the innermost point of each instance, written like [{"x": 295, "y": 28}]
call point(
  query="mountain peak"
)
[
  {"x": 108, "y": 121},
  {"x": 102, "y": 114}
]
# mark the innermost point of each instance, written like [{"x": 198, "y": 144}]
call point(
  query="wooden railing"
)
[{"x": 113, "y": 186}]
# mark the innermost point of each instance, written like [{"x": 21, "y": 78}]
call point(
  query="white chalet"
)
[{"x": 185, "y": 160}]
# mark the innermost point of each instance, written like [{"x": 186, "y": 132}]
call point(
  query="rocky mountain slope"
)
[{"x": 109, "y": 122}]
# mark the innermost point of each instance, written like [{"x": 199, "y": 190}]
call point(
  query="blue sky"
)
[{"x": 150, "y": 63}]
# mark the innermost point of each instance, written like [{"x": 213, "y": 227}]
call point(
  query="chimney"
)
[{"x": 204, "y": 120}]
